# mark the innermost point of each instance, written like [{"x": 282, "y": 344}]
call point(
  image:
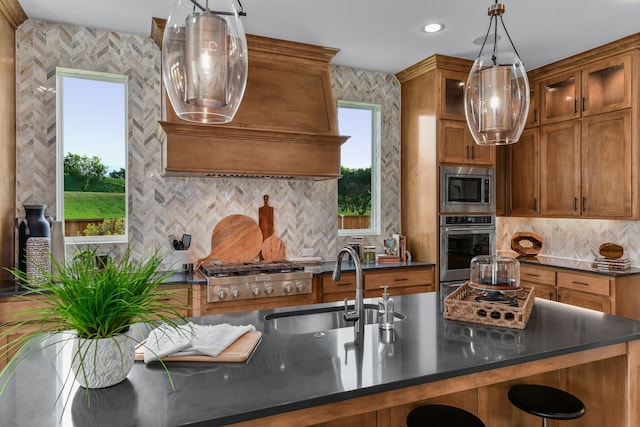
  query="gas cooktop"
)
[{"x": 219, "y": 269}]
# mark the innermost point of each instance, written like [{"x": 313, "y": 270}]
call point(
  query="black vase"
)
[{"x": 34, "y": 255}]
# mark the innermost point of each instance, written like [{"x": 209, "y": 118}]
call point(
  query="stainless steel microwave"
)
[{"x": 465, "y": 189}]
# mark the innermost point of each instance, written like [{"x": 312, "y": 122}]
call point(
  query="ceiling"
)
[{"x": 385, "y": 35}]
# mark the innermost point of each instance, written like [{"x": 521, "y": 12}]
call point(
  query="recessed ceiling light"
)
[{"x": 433, "y": 28}]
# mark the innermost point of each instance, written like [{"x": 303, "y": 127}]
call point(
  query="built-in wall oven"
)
[{"x": 461, "y": 238}]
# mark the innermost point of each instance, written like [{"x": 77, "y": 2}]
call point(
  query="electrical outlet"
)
[{"x": 307, "y": 252}]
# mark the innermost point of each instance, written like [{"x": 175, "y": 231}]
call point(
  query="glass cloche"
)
[{"x": 495, "y": 273}]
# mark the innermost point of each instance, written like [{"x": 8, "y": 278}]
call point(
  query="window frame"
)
[
  {"x": 375, "y": 223},
  {"x": 61, "y": 73}
]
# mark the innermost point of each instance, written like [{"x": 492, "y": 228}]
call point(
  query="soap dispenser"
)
[{"x": 385, "y": 310}]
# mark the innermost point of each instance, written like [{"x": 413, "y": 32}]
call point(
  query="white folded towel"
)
[{"x": 190, "y": 339}]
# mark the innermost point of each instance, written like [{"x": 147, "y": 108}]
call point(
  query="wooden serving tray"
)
[{"x": 239, "y": 351}]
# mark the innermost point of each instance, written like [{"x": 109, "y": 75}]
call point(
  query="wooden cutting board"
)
[
  {"x": 265, "y": 218},
  {"x": 273, "y": 249},
  {"x": 236, "y": 238},
  {"x": 239, "y": 351}
]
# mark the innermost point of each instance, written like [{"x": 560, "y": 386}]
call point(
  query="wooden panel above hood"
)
[{"x": 286, "y": 125}]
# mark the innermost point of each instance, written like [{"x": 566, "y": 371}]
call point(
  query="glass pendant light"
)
[
  {"x": 496, "y": 98},
  {"x": 204, "y": 60}
]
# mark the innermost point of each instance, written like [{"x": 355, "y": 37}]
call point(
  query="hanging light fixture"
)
[
  {"x": 496, "y": 99},
  {"x": 204, "y": 60}
]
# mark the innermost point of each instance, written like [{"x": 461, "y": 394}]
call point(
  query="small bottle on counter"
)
[
  {"x": 369, "y": 254},
  {"x": 385, "y": 310}
]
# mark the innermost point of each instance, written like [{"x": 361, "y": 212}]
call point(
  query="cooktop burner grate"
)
[{"x": 217, "y": 269}]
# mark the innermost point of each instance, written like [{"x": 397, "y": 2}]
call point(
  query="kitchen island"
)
[{"x": 325, "y": 378}]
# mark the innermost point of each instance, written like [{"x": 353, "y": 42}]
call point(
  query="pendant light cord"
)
[
  {"x": 241, "y": 12},
  {"x": 494, "y": 17}
]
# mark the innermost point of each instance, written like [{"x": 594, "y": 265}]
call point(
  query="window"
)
[
  {"x": 92, "y": 155},
  {"x": 359, "y": 187}
]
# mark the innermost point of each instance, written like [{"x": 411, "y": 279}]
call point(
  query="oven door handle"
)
[{"x": 467, "y": 230}]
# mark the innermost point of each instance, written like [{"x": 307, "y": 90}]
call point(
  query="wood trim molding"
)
[{"x": 13, "y": 12}]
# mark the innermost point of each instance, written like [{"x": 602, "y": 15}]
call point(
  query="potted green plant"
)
[{"x": 94, "y": 308}]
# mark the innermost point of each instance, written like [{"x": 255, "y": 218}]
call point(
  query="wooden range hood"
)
[{"x": 286, "y": 126}]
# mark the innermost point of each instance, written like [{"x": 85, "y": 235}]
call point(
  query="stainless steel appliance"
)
[
  {"x": 463, "y": 237},
  {"x": 467, "y": 189},
  {"x": 243, "y": 281}
]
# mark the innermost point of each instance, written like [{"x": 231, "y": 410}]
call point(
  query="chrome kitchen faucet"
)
[{"x": 357, "y": 316}]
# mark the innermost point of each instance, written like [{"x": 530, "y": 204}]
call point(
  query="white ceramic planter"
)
[{"x": 102, "y": 362}]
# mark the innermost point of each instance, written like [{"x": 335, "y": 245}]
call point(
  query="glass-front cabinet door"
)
[
  {"x": 452, "y": 102},
  {"x": 560, "y": 97},
  {"x": 606, "y": 85}
]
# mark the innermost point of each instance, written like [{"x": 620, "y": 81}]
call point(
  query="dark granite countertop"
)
[
  {"x": 575, "y": 264},
  {"x": 11, "y": 288},
  {"x": 289, "y": 372},
  {"x": 327, "y": 266}
]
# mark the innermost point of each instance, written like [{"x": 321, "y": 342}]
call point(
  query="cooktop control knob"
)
[
  {"x": 299, "y": 287},
  {"x": 287, "y": 288},
  {"x": 255, "y": 291},
  {"x": 222, "y": 293},
  {"x": 235, "y": 292},
  {"x": 268, "y": 289}
]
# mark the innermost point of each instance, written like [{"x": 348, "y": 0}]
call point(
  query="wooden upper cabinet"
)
[
  {"x": 452, "y": 86},
  {"x": 533, "y": 117},
  {"x": 559, "y": 97},
  {"x": 456, "y": 146},
  {"x": 606, "y": 85},
  {"x": 607, "y": 182},
  {"x": 524, "y": 175},
  {"x": 560, "y": 169},
  {"x": 597, "y": 88}
]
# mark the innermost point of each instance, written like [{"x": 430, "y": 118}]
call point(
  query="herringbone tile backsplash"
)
[{"x": 305, "y": 212}]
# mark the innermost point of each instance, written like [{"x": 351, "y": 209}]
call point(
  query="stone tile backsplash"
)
[{"x": 305, "y": 212}]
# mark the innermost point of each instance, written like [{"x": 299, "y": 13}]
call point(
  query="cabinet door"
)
[
  {"x": 533, "y": 117},
  {"x": 560, "y": 169},
  {"x": 452, "y": 86},
  {"x": 583, "y": 299},
  {"x": 606, "y": 85},
  {"x": 503, "y": 152},
  {"x": 456, "y": 145},
  {"x": 559, "y": 98},
  {"x": 545, "y": 292},
  {"x": 524, "y": 175},
  {"x": 606, "y": 165}
]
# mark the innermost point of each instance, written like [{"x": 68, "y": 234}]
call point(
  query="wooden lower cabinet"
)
[
  {"x": 401, "y": 281},
  {"x": 600, "y": 377},
  {"x": 609, "y": 294},
  {"x": 585, "y": 300}
]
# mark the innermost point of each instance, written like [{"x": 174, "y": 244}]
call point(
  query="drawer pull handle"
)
[
  {"x": 402, "y": 279},
  {"x": 532, "y": 275},
  {"x": 580, "y": 283},
  {"x": 344, "y": 284}
]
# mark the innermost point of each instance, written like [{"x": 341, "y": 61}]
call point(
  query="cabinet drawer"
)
[
  {"x": 347, "y": 282},
  {"x": 537, "y": 276},
  {"x": 580, "y": 282},
  {"x": 15, "y": 309},
  {"x": 398, "y": 278}
]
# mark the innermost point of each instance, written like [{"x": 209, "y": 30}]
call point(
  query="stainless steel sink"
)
[{"x": 319, "y": 319}]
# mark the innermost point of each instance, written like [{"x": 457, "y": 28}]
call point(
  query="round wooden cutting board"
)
[
  {"x": 236, "y": 238},
  {"x": 273, "y": 249}
]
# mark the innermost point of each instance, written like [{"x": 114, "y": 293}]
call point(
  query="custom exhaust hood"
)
[{"x": 286, "y": 126}]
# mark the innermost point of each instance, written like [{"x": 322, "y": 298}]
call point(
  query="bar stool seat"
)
[
  {"x": 546, "y": 402},
  {"x": 442, "y": 416}
]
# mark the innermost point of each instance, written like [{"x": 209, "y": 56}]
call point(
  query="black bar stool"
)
[
  {"x": 442, "y": 416},
  {"x": 546, "y": 402}
]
